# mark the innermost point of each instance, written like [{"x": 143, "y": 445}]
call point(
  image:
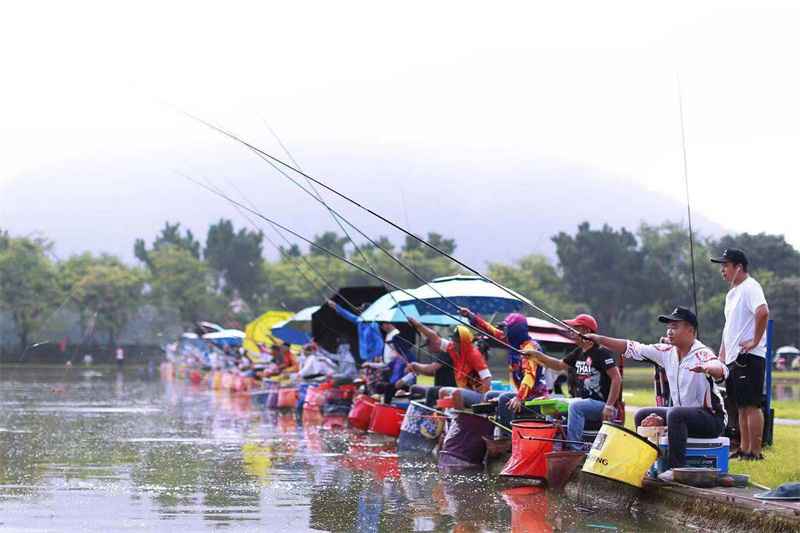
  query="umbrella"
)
[
  {"x": 460, "y": 291},
  {"x": 297, "y": 329},
  {"x": 226, "y": 337},
  {"x": 258, "y": 331}
]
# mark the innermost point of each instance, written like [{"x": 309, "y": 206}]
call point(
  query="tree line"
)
[{"x": 624, "y": 278}]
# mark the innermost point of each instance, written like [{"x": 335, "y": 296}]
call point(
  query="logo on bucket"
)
[
  {"x": 599, "y": 440},
  {"x": 600, "y": 460}
]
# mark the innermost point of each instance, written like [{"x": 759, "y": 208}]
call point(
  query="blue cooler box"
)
[{"x": 700, "y": 453}]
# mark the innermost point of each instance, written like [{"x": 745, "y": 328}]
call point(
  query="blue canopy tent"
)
[
  {"x": 460, "y": 291},
  {"x": 297, "y": 329}
]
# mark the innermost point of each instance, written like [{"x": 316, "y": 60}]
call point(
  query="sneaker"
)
[
  {"x": 666, "y": 476},
  {"x": 757, "y": 457},
  {"x": 735, "y": 455}
]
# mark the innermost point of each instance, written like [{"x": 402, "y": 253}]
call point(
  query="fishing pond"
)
[{"x": 87, "y": 449}]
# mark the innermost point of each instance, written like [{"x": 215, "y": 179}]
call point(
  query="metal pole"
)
[{"x": 769, "y": 414}]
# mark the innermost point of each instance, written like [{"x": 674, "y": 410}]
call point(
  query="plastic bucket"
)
[
  {"x": 216, "y": 380},
  {"x": 195, "y": 377},
  {"x": 238, "y": 383},
  {"x": 528, "y": 454},
  {"x": 419, "y": 431},
  {"x": 620, "y": 455},
  {"x": 287, "y": 398},
  {"x": 386, "y": 420},
  {"x": 561, "y": 466},
  {"x": 361, "y": 412},
  {"x": 227, "y": 381},
  {"x": 315, "y": 398},
  {"x": 463, "y": 444}
]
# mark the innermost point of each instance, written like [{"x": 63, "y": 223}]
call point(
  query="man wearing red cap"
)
[{"x": 595, "y": 382}]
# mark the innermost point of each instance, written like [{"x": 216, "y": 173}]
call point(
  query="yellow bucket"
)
[
  {"x": 620, "y": 454},
  {"x": 216, "y": 382}
]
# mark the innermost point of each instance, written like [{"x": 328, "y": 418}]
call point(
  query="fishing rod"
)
[
  {"x": 338, "y": 217},
  {"x": 345, "y": 260},
  {"x": 688, "y": 203},
  {"x": 333, "y": 213},
  {"x": 284, "y": 255},
  {"x": 234, "y": 137},
  {"x": 240, "y": 208}
]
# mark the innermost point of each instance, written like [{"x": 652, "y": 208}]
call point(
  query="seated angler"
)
[
  {"x": 391, "y": 374},
  {"x": 526, "y": 376},
  {"x": 597, "y": 381},
  {"x": 472, "y": 375},
  {"x": 693, "y": 372}
]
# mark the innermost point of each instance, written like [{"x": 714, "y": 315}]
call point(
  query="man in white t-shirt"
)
[{"x": 744, "y": 349}]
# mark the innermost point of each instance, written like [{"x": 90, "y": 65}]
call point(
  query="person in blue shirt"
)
[{"x": 370, "y": 338}]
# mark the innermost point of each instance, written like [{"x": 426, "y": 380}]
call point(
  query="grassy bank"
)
[{"x": 645, "y": 397}]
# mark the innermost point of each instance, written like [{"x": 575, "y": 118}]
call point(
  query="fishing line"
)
[{"x": 377, "y": 215}]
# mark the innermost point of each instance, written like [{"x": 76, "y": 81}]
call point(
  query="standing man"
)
[
  {"x": 370, "y": 339},
  {"x": 744, "y": 349}
]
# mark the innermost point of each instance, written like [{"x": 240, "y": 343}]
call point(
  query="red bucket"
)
[
  {"x": 361, "y": 412},
  {"x": 386, "y": 420},
  {"x": 527, "y": 455},
  {"x": 287, "y": 398},
  {"x": 195, "y": 377},
  {"x": 315, "y": 398}
]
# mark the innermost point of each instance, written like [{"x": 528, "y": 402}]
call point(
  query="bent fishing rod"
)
[
  {"x": 282, "y": 253},
  {"x": 338, "y": 218},
  {"x": 333, "y": 213},
  {"x": 316, "y": 246},
  {"x": 254, "y": 148},
  {"x": 241, "y": 209}
]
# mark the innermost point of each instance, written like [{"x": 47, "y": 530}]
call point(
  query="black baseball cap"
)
[
  {"x": 731, "y": 255},
  {"x": 678, "y": 314}
]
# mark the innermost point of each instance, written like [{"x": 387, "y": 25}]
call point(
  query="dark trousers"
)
[{"x": 682, "y": 423}]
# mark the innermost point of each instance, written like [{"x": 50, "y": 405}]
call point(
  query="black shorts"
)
[{"x": 745, "y": 382}]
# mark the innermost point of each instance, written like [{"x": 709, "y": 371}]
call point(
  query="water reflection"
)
[{"x": 119, "y": 450}]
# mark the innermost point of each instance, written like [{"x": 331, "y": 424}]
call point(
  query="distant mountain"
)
[{"x": 497, "y": 211}]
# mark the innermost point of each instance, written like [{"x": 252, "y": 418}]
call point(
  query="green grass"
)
[
  {"x": 780, "y": 464},
  {"x": 646, "y": 397}
]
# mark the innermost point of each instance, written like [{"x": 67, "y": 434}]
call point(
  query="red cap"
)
[{"x": 584, "y": 320}]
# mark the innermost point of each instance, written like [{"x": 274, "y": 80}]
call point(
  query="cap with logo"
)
[
  {"x": 731, "y": 255},
  {"x": 679, "y": 314}
]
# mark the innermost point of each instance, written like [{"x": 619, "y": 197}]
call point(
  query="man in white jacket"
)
[{"x": 693, "y": 370}]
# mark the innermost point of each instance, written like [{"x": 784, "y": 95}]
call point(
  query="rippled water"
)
[{"x": 108, "y": 451}]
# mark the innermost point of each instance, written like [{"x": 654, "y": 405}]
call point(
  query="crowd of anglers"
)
[{"x": 463, "y": 390}]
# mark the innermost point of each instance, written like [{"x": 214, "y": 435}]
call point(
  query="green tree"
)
[
  {"x": 181, "y": 281},
  {"x": 330, "y": 241},
  {"x": 535, "y": 278},
  {"x": 170, "y": 236},
  {"x": 236, "y": 258},
  {"x": 764, "y": 251},
  {"x": 603, "y": 269},
  {"x": 104, "y": 290},
  {"x": 28, "y": 288}
]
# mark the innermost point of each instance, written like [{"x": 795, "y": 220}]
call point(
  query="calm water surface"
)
[{"x": 98, "y": 450}]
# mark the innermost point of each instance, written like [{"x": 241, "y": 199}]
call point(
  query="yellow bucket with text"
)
[{"x": 620, "y": 454}]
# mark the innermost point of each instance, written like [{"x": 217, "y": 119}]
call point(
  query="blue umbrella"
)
[
  {"x": 447, "y": 294},
  {"x": 226, "y": 337},
  {"x": 297, "y": 329}
]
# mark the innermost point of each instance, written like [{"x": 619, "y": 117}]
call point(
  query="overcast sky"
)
[{"x": 591, "y": 85}]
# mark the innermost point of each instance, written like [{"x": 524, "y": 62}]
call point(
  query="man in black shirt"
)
[
  {"x": 595, "y": 382},
  {"x": 442, "y": 371}
]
